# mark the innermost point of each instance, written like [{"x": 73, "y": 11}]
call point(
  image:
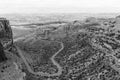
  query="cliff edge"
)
[{"x": 6, "y": 37}]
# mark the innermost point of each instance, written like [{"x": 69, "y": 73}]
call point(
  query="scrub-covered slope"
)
[{"x": 79, "y": 50}]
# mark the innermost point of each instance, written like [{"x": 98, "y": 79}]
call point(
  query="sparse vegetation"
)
[{"x": 90, "y": 50}]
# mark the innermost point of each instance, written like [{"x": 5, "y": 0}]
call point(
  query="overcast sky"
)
[{"x": 59, "y": 6}]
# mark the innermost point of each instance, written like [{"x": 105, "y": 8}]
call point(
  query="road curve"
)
[
  {"x": 55, "y": 63},
  {"x": 52, "y": 59}
]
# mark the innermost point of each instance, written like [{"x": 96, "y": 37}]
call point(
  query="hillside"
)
[{"x": 77, "y": 50}]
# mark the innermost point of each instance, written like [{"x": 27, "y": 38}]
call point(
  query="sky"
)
[{"x": 59, "y": 6}]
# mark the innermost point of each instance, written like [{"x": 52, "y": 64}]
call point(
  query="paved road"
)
[
  {"x": 52, "y": 59},
  {"x": 55, "y": 63}
]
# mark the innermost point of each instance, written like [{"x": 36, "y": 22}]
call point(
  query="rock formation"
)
[
  {"x": 2, "y": 54},
  {"x": 6, "y": 39},
  {"x": 5, "y": 33}
]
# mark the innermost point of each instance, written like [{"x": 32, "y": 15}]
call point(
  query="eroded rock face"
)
[
  {"x": 2, "y": 54},
  {"x": 6, "y": 39},
  {"x": 5, "y": 33}
]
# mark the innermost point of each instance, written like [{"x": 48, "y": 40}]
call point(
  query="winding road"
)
[{"x": 52, "y": 59}]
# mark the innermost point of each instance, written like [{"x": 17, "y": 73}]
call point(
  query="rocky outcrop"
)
[
  {"x": 5, "y": 33},
  {"x": 2, "y": 54},
  {"x": 6, "y": 39}
]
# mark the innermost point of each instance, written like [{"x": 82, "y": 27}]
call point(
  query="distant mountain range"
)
[{"x": 16, "y": 19}]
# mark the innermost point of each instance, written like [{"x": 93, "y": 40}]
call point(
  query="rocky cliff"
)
[{"x": 6, "y": 39}]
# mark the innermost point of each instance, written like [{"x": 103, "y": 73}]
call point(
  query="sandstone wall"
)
[{"x": 6, "y": 40}]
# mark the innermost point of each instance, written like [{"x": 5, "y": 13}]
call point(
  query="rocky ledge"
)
[{"x": 6, "y": 39}]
